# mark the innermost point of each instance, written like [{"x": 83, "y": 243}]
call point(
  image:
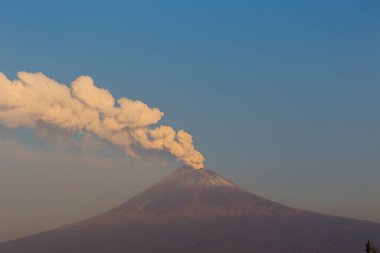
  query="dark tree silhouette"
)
[{"x": 370, "y": 248}]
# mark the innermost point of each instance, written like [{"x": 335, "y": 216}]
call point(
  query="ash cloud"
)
[{"x": 34, "y": 98}]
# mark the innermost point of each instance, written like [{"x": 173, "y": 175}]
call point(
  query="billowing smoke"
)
[{"x": 34, "y": 98}]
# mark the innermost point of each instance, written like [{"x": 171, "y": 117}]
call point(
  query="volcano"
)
[{"x": 200, "y": 211}]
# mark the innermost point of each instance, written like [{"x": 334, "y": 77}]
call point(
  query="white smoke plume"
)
[{"x": 34, "y": 98}]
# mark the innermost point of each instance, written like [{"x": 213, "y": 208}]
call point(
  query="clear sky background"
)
[{"x": 281, "y": 97}]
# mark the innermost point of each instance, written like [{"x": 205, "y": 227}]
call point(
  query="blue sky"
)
[{"x": 280, "y": 96}]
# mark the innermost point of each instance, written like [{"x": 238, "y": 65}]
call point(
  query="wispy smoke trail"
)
[{"x": 34, "y": 98}]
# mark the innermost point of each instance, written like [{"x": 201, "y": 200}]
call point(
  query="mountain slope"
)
[{"x": 200, "y": 211}]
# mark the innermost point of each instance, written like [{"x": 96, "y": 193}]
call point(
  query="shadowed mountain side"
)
[{"x": 200, "y": 211}]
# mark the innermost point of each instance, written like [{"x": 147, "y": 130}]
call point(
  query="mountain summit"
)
[
  {"x": 200, "y": 211},
  {"x": 195, "y": 195}
]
